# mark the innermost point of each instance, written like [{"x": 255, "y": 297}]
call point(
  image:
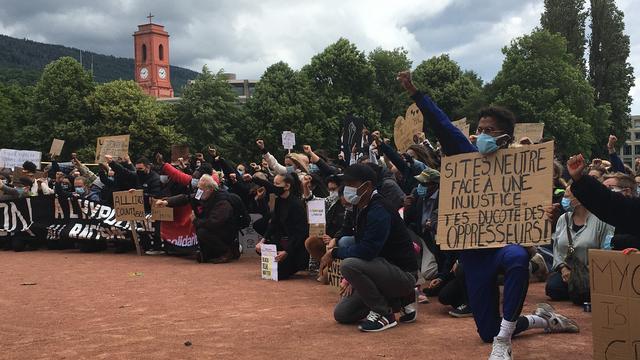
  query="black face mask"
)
[
  {"x": 141, "y": 173},
  {"x": 279, "y": 191}
]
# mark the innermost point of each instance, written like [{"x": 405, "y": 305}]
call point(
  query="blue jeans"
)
[{"x": 346, "y": 241}]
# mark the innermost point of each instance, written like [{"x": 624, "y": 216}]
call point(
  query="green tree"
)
[
  {"x": 121, "y": 107},
  {"x": 609, "y": 72},
  {"x": 343, "y": 83},
  {"x": 450, "y": 87},
  {"x": 283, "y": 101},
  {"x": 567, "y": 18},
  {"x": 59, "y": 106},
  {"x": 539, "y": 81},
  {"x": 15, "y": 112},
  {"x": 388, "y": 96},
  {"x": 209, "y": 112}
]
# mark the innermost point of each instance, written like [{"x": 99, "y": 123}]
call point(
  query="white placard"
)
[
  {"x": 315, "y": 211},
  {"x": 269, "y": 266},
  {"x": 288, "y": 140},
  {"x": 10, "y": 158}
]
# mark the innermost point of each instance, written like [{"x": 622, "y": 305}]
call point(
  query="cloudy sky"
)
[{"x": 245, "y": 36}]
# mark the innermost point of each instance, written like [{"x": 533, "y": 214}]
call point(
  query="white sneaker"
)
[
  {"x": 557, "y": 323},
  {"x": 501, "y": 349}
]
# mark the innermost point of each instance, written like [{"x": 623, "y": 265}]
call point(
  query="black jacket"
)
[{"x": 290, "y": 220}]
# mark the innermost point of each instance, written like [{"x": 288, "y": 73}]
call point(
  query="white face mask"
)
[
  {"x": 164, "y": 179},
  {"x": 351, "y": 195},
  {"x": 199, "y": 194}
]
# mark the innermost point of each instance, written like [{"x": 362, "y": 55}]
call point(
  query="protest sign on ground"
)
[
  {"x": 495, "y": 200},
  {"x": 116, "y": 146},
  {"x": 268, "y": 263},
  {"x": 179, "y": 151},
  {"x": 615, "y": 304},
  {"x": 56, "y": 147},
  {"x": 533, "y": 131},
  {"x": 288, "y": 140},
  {"x": 406, "y": 127},
  {"x": 129, "y": 206},
  {"x": 334, "y": 274},
  {"x": 10, "y": 158}
]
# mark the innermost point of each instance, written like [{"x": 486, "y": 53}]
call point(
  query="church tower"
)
[{"x": 151, "y": 49}]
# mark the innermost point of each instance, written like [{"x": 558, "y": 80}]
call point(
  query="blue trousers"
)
[{"x": 481, "y": 269}]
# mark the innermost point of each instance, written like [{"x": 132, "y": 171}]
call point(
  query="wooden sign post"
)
[
  {"x": 495, "y": 200},
  {"x": 129, "y": 206}
]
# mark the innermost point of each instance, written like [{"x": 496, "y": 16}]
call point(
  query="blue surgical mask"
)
[
  {"x": 164, "y": 179},
  {"x": 566, "y": 204},
  {"x": 486, "y": 144},
  {"x": 20, "y": 190},
  {"x": 607, "y": 242},
  {"x": 79, "y": 190},
  {"x": 291, "y": 169},
  {"x": 241, "y": 172},
  {"x": 421, "y": 190},
  {"x": 351, "y": 195},
  {"x": 194, "y": 182},
  {"x": 111, "y": 178}
]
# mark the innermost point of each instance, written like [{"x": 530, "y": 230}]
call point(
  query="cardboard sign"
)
[
  {"x": 10, "y": 158},
  {"x": 116, "y": 146},
  {"x": 533, "y": 131},
  {"x": 462, "y": 125},
  {"x": 317, "y": 230},
  {"x": 615, "y": 304},
  {"x": 495, "y": 200},
  {"x": 335, "y": 276},
  {"x": 160, "y": 213},
  {"x": 248, "y": 237},
  {"x": 179, "y": 151},
  {"x": 269, "y": 264},
  {"x": 129, "y": 206},
  {"x": 56, "y": 147},
  {"x": 288, "y": 140},
  {"x": 315, "y": 211},
  {"x": 406, "y": 127}
]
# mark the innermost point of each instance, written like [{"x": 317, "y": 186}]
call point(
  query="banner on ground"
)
[
  {"x": 533, "y": 131},
  {"x": 10, "y": 158},
  {"x": 495, "y": 200},
  {"x": 65, "y": 219},
  {"x": 615, "y": 304},
  {"x": 116, "y": 146},
  {"x": 406, "y": 127}
]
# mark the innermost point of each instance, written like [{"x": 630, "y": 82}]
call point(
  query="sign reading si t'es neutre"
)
[{"x": 495, "y": 200}]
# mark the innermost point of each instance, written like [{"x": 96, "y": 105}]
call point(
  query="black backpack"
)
[{"x": 240, "y": 214}]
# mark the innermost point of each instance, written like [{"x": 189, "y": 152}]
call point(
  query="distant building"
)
[
  {"x": 243, "y": 88},
  {"x": 151, "y": 49},
  {"x": 631, "y": 149}
]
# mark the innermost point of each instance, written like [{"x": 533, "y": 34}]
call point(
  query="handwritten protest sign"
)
[
  {"x": 116, "y": 146},
  {"x": 334, "y": 274},
  {"x": 159, "y": 213},
  {"x": 406, "y": 127},
  {"x": 10, "y": 158},
  {"x": 288, "y": 140},
  {"x": 179, "y": 151},
  {"x": 129, "y": 206},
  {"x": 249, "y": 237},
  {"x": 269, "y": 264},
  {"x": 462, "y": 125},
  {"x": 495, "y": 200},
  {"x": 56, "y": 147},
  {"x": 317, "y": 218},
  {"x": 615, "y": 303},
  {"x": 533, "y": 131}
]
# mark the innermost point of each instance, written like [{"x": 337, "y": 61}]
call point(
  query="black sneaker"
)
[
  {"x": 461, "y": 311},
  {"x": 409, "y": 313},
  {"x": 376, "y": 322}
]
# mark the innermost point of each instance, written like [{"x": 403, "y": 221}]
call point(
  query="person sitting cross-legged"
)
[{"x": 381, "y": 266}]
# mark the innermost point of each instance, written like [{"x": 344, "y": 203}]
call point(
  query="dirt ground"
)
[{"x": 69, "y": 305}]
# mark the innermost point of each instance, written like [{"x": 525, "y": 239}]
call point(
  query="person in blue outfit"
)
[{"x": 495, "y": 131}]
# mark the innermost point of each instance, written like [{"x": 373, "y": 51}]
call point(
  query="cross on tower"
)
[{"x": 150, "y": 17}]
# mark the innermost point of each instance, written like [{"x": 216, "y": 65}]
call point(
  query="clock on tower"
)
[{"x": 151, "y": 49}]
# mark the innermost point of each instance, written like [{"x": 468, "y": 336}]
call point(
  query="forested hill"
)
[{"x": 22, "y": 61}]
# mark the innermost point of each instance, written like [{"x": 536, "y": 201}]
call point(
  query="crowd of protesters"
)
[{"x": 381, "y": 220}]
